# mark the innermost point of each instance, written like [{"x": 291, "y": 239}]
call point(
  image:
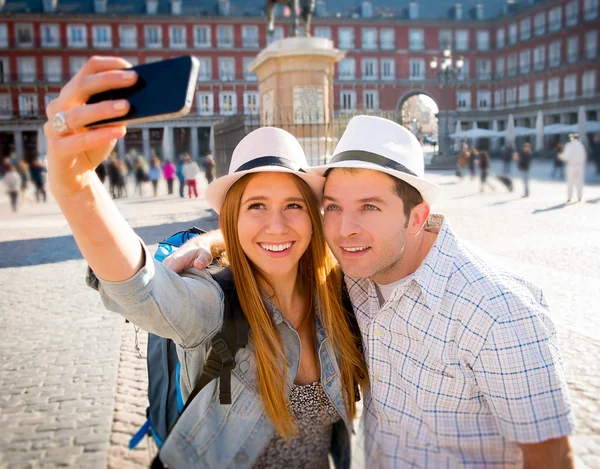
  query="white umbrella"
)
[
  {"x": 495, "y": 140},
  {"x": 592, "y": 126},
  {"x": 521, "y": 131},
  {"x": 475, "y": 134},
  {"x": 167, "y": 143},
  {"x": 581, "y": 120},
  {"x": 211, "y": 141},
  {"x": 41, "y": 142},
  {"x": 474, "y": 127},
  {"x": 510, "y": 130},
  {"x": 458, "y": 128},
  {"x": 555, "y": 129},
  {"x": 539, "y": 132}
]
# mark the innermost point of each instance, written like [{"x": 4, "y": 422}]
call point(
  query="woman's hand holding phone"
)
[{"x": 76, "y": 151}]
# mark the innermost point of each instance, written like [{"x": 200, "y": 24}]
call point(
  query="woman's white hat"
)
[
  {"x": 264, "y": 149},
  {"x": 371, "y": 142}
]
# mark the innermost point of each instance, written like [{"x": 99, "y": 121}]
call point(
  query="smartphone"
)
[{"x": 164, "y": 90}]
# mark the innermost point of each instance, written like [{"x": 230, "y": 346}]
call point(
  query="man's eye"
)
[
  {"x": 331, "y": 208},
  {"x": 370, "y": 207}
]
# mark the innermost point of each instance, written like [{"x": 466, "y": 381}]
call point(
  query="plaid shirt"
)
[{"x": 463, "y": 363}]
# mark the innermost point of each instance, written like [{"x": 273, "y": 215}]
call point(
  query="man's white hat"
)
[
  {"x": 371, "y": 142},
  {"x": 264, "y": 149}
]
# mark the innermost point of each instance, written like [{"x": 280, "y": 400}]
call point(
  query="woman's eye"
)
[
  {"x": 295, "y": 206},
  {"x": 256, "y": 207}
]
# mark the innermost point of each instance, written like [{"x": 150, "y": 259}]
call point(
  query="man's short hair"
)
[{"x": 410, "y": 196}]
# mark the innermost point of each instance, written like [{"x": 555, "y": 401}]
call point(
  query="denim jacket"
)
[{"x": 188, "y": 309}]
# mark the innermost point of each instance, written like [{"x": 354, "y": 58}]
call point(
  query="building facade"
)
[{"x": 539, "y": 56}]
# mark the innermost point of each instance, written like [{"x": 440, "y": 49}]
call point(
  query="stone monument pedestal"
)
[{"x": 295, "y": 83}]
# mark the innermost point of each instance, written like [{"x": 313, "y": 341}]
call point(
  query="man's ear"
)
[{"x": 418, "y": 217}]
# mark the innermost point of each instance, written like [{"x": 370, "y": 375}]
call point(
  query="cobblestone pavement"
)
[{"x": 72, "y": 387}]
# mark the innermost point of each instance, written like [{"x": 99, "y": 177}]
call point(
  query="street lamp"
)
[{"x": 449, "y": 69}]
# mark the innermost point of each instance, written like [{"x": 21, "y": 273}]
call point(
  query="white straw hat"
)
[
  {"x": 371, "y": 142},
  {"x": 264, "y": 149}
]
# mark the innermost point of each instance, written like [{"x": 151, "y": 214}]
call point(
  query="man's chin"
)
[{"x": 356, "y": 271}]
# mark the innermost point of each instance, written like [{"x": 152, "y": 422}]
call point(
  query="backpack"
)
[{"x": 164, "y": 393}]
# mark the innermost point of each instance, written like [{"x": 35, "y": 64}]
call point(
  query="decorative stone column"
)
[
  {"x": 19, "y": 148},
  {"x": 146, "y": 143},
  {"x": 121, "y": 148},
  {"x": 295, "y": 82},
  {"x": 194, "y": 143}
]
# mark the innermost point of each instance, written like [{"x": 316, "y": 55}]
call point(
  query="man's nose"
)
[{"x": 348, "y": 226}]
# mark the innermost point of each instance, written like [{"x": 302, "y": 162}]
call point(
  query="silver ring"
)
[{"x": 60, "y": 123}]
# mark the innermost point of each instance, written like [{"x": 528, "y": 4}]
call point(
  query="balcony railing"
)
[
  {"x": 539, "y": 65},
  {"x": 553, "y": 97},
  {"x": 512, "y": 71},
  {"x": 588, "y": 93},
  {"x": 555, "y": 25},
  {"x": 572, "y": 57},
  {"x": 416, "y": 45},
  {"x": 554, "y": 61},
  {"x": 525, "y": 69},
  {"x": 499, "y": 75},
  {"x": 590, "y": 14},
  {"x": 540, "y": 30},
  {"x": 572, "y": 20},
  {"x": 484, "y": 76},
  {"x": 387, "y": 45},
  {"x": 591, "y": 52}
]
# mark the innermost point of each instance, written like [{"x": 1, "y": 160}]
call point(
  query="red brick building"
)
[{"x": 518, "y": 59}]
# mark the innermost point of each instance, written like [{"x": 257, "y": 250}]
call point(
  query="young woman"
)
[{"x": 293, "y": 394}]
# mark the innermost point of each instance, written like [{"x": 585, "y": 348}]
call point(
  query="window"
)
[
  {"x": 48, "y": 98},
  {"x": 75, "y": 64},
  {"x": 499, "y": 99},
  {"x": 462, "y": 39},
  {"x": 248, "y": 75},
  {"x": 224, "y": 36},
  {"x": 369, "y": 38},
  {"x": 369, "y": 69},
  {"x": 511, "y": 96},
  {"x": 484, "y": 69},
  {"x": 570, "y": 90},
  {"x": 512, "y": 33},
  {"x": 511, "y": 65},
  {"x": 28, "y": 105},
  {"x": 250, "y": 36},
  {"x": 132, "y": 60},
  {"x": 4, "y": 70},
  {"x": 539, "y": 92},
  {"x": 102, "y": 36},
  {"x": 24, "y": 35},
  {"x": 525, "y": 61},
  {"x": 500, "y": 38},
  {"x": 539, "y": 58},
  {"x": 572, "y": 49},
  {"x": 483, "y": 40},
  {"x": 500, "y": 67},
  {"x": 50, "y": 35},
  {"x": 525, "y": 29},
  {"x": 76, "y": 35},
  {"x": 445, "y": 38},
  {"x": 251, "y": 102},
  {"x": 524, "y": 94},
  {"x": 484, "y": 100},
  {"x": 347, "y": 69},
  {"x": 177, "y": 37},
  {"x": 463, "y": 73},
  {"x": 370, "y": 100},
  {"x": 26, "y": 69},
  {"x": 588, "y": 83},
  {"x": 388, "y": 39},
  {"x": 347, "y": 100},
  {"x": 590, "y": 9},
  {"x": 554, "y": 54},
  {"x": 153, "y": 35},
  {"x": 572, "y": 13},
  {"x": 205, "y": 104},
  {"x": 277, "y": 35},
  {"x": 416, "y": 39},
  {"x": 416, "y": 69},
  {"x": 226, "y": 68},
  {"x": 204, "y": 69},
  {"x": 553, "y": 89},
  {"x": 346, "y": 38},
  {"x": 3, "y": 35},
  {"x": 591, "y": 44},
  {"x": 388, "y": 69},
  {"x": 323, "y": 31},
  {"x": 152, "y": 59},
  {"x": 227, "y": 102},
  {"x": 52, "y": 69},
  {"x": 202, "y": 38},
  {"x": 128, "y": 36},
  {"x": 555, "y": 19},
  {"x": 463, "y": 100},
  {"x": 5, "y": 106},
  {"x": 539, "y": 23}
]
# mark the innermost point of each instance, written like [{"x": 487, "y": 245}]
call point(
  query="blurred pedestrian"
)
[
  {"x": 473, "y": 155},
  {"x": 190, "y": 172},
  {"x": 114, "y": 174},
  {"x": 484, "y": 168},
  {"x": 209, "y": 168},
  {"x": 507, "y": 158},
  {"x": 122, "y": 179},
  {"x": 141, "y": 175},
  {"x": 154, "y": 174},
  {"x": 12, "y": 182},
  {"x": 38, "y": 173},
  {"x": 462, "y": 161},
  {"x": 575, "y": 156},
  {"x": 595, "y": 150},
  {"x": 524, "y": 164},
  {"x": 169, "y": 171},
  {"x": 180, "y": 176},
  {"x": 23, "y": 170},
  {"x": 4, "y": 165},
  {"x": 558, "y": 163}
]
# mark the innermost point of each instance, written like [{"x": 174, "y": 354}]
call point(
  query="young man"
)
[{"x": 463, "y": 361}]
